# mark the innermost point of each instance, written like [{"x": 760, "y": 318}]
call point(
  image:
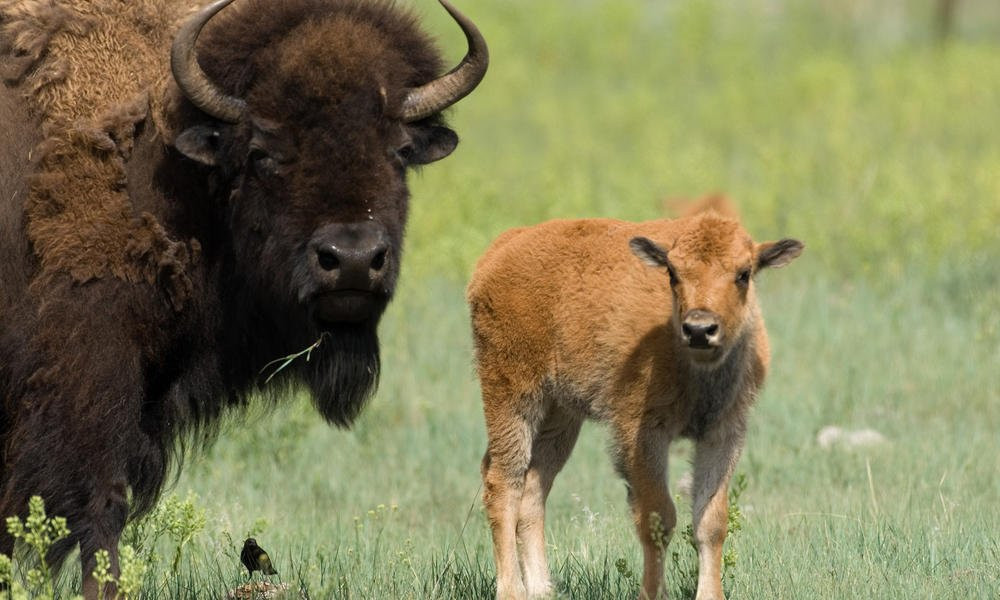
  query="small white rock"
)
[
  {"x": 829, "y": 435},
  {"x": 832, "y": 435},
  {"x": 684, "y": 484}
]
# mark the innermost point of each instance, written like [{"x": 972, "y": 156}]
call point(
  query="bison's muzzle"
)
[{"x": 351, "y": 268}]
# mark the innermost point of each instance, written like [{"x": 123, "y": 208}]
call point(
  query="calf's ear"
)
[
  {"x": 649, "y": 252},
  {"x": 430, "y": 143},
  {"x": 778, "y": 254},
  {"x": 200, "y": 143}
]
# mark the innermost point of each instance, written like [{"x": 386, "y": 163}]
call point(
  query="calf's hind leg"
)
[
  {"x": 551, "y": 448},
  {"x": 508, "y": 452}
]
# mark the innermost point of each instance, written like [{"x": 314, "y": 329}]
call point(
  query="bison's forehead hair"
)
[
  {"x": 301, "y": 71},
  {"x": 316, "y": 48},
  {"x": 712, "y": 238}
]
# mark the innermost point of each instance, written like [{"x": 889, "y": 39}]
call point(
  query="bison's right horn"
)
[
  {"x": 437, "y": 95},
  {"x": 194, "y": 83}
]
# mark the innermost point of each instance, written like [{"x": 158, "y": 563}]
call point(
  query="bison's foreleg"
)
[
  {"x": 714, "y": 459},
  {"x": 93, "y": 502},
  {"x": 108, "y": 510},
  {"x": 74, "y": 450},
  {"x": 642, "y": 461}
]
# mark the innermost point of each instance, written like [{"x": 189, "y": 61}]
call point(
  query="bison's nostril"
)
[
  {"x": 328, "y": 259},
  {"x": 711, "y": 330},
  {"x": 686, "y": 329},
  {"x": 379, "y": 261}
]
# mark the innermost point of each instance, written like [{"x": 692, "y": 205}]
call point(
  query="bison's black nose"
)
[
  {"x": 350, "y": 256},
  {"x": 701, "y": 329}
]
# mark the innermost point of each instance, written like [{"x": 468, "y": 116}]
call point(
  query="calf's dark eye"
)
[{"x": 743, "y": 277}]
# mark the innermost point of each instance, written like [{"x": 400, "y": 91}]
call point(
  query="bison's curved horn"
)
[
  {"x": 437, "y": 95},
  {"x": 194, "y": 83}
]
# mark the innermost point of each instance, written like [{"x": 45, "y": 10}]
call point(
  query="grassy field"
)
[{"x": 843, "y": 123}]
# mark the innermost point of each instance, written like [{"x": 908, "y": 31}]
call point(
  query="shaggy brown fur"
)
[
  {"x": 85, "y": 68},
  {"x": 154, "y": 258},
  {"x": 77, "y": 58},
  {"x": 22, "y": 136},
  {"x": 570, "y": 325}
]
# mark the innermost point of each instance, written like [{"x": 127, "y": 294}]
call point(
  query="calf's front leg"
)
[
  {"x": 643, "y": 463},
  {"x": 714, "y": 460}
]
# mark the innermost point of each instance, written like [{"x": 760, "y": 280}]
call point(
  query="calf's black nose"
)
[
  {"x": 350, "y": 255},
  {"x": 701, "y": 329}
]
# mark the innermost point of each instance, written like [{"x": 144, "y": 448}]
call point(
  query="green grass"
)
[{"x": 844, "y": 124}]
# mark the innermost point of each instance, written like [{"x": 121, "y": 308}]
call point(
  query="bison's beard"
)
[{"x": 344, "y": 374}]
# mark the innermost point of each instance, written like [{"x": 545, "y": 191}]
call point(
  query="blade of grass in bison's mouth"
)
[{"x": 343, "y": 306}]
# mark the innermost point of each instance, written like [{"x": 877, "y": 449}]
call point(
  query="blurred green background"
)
[{"x": 850, "y": 124}]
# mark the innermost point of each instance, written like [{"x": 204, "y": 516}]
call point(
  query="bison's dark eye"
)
[
  {"x": 404, "y": 154},
  {"x": 743, "y": 278},
  {"x": 263, "y": 165}
]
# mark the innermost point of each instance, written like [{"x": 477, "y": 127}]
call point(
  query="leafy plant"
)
[
  {"x": 132, "y": 573},
  {"x": 38, "y": 533},
  {"x": 179, "y": 520}
]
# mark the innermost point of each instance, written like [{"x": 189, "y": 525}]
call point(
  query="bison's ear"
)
[
  {"x": 430, "y": 143},
  {"x": 649, "y": 252},
  {"x": 199, "y": 143},
  {"x": 778, "y": 254}
]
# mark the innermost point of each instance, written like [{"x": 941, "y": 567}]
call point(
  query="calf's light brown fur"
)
[{"x": 652, "y": 328}]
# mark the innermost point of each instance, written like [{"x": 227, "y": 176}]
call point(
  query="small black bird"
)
[{"x": 254, "y": 558}]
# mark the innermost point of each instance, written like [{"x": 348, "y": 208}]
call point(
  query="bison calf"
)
[{"x": 570, "y": 325}]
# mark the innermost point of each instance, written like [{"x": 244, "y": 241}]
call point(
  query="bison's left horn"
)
[
  {"x": 194, "y": 83},
  {"x": 433, "y": 97}
]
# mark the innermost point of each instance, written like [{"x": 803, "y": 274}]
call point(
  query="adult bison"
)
[
  {"x": 569, "y": 325},
  {"x": 167, "y": 231}
]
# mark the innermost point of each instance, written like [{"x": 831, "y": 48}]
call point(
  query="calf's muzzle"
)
[{"x": 701, "y": 329}]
